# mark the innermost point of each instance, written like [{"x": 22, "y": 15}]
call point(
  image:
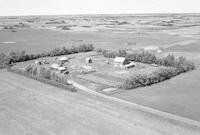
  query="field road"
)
[{"x": 29, "y": 107}]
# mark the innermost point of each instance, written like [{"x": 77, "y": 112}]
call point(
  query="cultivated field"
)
[{"x": 31, "y": 107}]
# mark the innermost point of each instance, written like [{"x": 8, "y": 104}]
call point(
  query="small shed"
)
[
  {"x": 121, "y": 60},
  {"x": 88, "y": 60}
]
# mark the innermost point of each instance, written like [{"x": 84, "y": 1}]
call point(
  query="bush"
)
[
  {"x": 4, "y": 60},
  {"x": 45, "y": 73},
  {"x": 141, "y": 80},
  {"x": 29, "y": 68}
]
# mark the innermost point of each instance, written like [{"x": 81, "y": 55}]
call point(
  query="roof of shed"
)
[{"x": 119, "y": 59}]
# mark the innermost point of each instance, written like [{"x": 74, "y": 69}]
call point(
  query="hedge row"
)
[
  {"x": 44, "y": 80},
  {"x": 142, "y": 80},
  {"x": 18, "y": 56}
]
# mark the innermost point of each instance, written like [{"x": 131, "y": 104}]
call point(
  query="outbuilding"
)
[
  {"x": 121, "y": 60},
  {"x": 62, "y": 70},
  {"x": 37, "y": 63},
  {"x": 130, "y": 65},
  {"x": 88, "y": 60},
  {"x": 62, "y": 60},
  {"x": 58, "y": 68},
  {"x": 54, "y": 66}
]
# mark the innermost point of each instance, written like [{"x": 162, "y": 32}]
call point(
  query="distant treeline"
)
[
  {"x": 19, "y": 56},
  {"x": 173, "y": 66}
]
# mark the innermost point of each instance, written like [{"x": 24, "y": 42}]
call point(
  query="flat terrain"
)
[{"x": 30, "y": 107}]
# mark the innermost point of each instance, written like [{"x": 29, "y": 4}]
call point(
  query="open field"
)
[
  {"x": 31, "y": 107},
  {"x": 39, "y": 40}
]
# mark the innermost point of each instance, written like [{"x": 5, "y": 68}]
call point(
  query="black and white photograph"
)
[{"x": 99, "y": 67}]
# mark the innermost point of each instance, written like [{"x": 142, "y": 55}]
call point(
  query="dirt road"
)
[{"x": 31, "y": 107}]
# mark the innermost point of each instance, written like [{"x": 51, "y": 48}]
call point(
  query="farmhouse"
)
[
  {"x": 121, "y": 60},
  {"x": 62, "y": 60},
  {"x": 61, "y": 70},
  {"x": 58, "y": 68}
]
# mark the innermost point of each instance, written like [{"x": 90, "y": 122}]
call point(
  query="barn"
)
[{"x": 121, "y": 60}]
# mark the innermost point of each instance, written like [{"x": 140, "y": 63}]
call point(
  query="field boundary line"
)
[{"x": 138, "y": 106}]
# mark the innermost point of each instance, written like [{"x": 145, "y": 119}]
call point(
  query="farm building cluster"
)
[
  {"x": 92, "y": 67},
  {"x": 61, "y": 64}
]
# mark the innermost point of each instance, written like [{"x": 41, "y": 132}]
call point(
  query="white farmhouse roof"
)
[
  {"x": 61, "y": 68},
  {"x": 55, "y": 66},
  {"x": 119, "y": 59},
  {"x": 63, "y": 58}
]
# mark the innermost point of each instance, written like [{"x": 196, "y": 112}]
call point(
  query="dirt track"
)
[{"x": 30, "y": 107}]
